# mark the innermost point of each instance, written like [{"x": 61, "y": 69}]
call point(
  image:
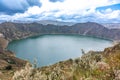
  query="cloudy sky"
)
[{"x": 102, "y": 11}]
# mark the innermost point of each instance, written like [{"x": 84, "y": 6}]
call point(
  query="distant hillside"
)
[
  {"x": 112, "y": 25},
  {"x": 97, "y": 30},
  {"x": 57, "y": 23},
  {"x": 23, "y": 30}
]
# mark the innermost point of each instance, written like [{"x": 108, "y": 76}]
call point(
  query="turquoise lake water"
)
[{"x": 49, "y": 49}]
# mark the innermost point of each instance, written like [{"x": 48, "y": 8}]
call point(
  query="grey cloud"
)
[{"x": 11, "y": 7}]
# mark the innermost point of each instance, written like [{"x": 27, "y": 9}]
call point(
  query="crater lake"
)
[{"x": 49, "y": 49}]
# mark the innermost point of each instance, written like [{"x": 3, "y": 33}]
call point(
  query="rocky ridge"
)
[{"x": 13, "y": 31}]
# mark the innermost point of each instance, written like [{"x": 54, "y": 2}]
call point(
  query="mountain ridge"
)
[{"x": 14, "y": 31}]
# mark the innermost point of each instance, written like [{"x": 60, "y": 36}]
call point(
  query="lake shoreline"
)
[
  {"x": 37, "y": 35},
  {"x": 58, "y": 44}
]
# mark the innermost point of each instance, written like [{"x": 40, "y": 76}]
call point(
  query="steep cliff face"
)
[
  {"x": 103, "y": 65},
  {"x": 22, "y": 30}
]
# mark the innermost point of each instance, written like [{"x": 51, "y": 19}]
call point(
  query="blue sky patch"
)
[
  {"x": 113, "y": 7},
  {"x": 56, "y": 0}
]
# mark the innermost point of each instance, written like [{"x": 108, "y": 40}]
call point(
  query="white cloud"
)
[
  {"x": 75, "y": 5},
  {"x": 35, "y": 10},
  {"x": 70, "y": 7},
  {"x": 109, "y": 14},
  {"x": 109, "y": 10},
  {"x": 70, "y": 10}
]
